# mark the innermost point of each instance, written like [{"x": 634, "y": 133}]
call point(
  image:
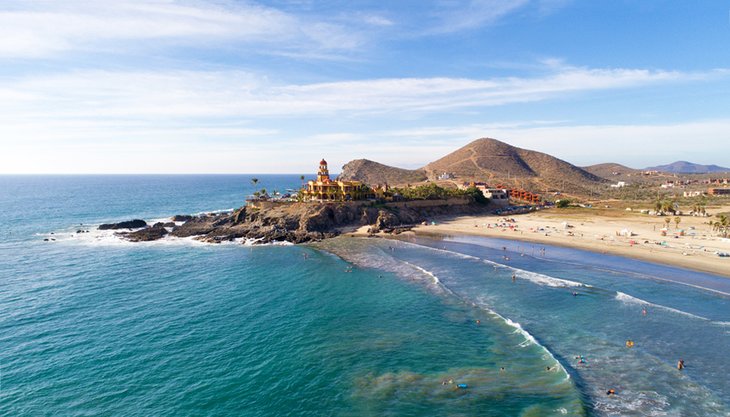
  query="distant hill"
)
[
  {"x": 486, "y": 160},
  {"x": 684, "y": 167},
  {"x": 374, "y": 173},
  {"x": 611, "y": 170}
]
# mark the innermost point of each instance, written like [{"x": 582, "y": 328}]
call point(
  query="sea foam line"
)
[
  {"x": 626, "y": 298},
  {"x": 529, "y": 338},
  {"x": 535, "y": 277}
]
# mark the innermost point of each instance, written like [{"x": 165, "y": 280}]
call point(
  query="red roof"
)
[{"x": 323, "y": 162}]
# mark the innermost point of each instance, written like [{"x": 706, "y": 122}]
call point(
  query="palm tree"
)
[
  {"x": 668, "y": 207},
  {"x": 722, "y": 225},
  {"x": 666, "y": 221},
  {"x": 677, "y": 220},
  {"x": 658, "y": 206}
]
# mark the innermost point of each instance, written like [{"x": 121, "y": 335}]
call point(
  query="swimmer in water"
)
[
  {"x": 479, "y": 322},
  {"x": 680, "y": 364},
  {"x": 575, "y": 294},
  {"x": 514, "y": 277},
  {"x": 643, "y": 311},
  {"x": 611, "y": 392},
  {"x": 501, "y": 369}
]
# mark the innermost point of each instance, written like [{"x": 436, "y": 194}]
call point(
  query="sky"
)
[{"x": 127, "y": 86}]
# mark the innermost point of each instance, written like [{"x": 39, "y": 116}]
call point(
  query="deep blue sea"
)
[{"x": 91, "y": 325}]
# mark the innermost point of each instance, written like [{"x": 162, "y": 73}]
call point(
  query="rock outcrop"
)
[
  {"x": 302, "y": 222},
  {"x": 131, "y": 224},
  {"x": 147, "y": 234}
]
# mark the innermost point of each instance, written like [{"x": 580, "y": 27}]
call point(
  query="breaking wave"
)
[{"x": 629, "y": 299}]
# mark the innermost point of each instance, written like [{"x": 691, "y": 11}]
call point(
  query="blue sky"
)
[{"x": 130, "y": 86}]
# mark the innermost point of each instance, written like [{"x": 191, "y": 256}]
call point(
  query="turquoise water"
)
[{"x": 91, "y": 325}]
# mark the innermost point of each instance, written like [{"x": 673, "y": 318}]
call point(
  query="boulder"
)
[
  {"x": 131, "y": 224},
  {"x": 182, "y": 218},
  {"x": 166, "y": 224},
  {"x": 146, "y": 235}
]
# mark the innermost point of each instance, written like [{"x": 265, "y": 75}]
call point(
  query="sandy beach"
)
[{"x": 615, "y": 231}]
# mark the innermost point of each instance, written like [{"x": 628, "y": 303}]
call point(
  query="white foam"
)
[
  {"x": 434, "y": 279},
  {"x": 540, "y": 279},
  {"x": 98, "y": 237},
  {"x": 535, "y": 277},
  {"x": 629, "y": 299},
  {"x": 221, "y": 211},
  {"x": 449, "y": 252}
]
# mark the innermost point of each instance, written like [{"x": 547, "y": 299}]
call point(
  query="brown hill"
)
[
  {"x": 497, "y": 162},
  {"x": 611, "y": 171},
  {"x": 373, "y": 173},
  {"x": 487, "y": 160}
]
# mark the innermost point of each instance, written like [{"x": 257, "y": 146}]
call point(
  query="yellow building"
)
[{"x": 326, "y": 189}]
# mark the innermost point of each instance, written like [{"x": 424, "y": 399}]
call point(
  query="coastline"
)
[{"x": 629, "y": 235}]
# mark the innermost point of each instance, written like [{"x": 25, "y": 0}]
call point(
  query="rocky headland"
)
[{"x": 269, "y": 222}]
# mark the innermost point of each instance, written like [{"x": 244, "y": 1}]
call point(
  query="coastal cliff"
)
[{"x": 269, "y": 222}]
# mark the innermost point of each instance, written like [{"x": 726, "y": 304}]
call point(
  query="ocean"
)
[{"x": 92, "y": 325}]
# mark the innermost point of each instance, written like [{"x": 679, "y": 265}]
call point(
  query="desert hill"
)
[
  {"x": 371, "y": 172},
  {"x": 684, "y": 167},
  {"x": 611, "y": 170},
  {"x": 487, "y": 160}
]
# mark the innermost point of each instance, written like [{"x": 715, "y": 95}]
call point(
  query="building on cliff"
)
[{"x": 326, "y": 189}]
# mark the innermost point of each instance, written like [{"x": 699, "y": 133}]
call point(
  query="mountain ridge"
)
[
  {"x": 485, "y": 159},
  {"x": 685, "y": 167}
]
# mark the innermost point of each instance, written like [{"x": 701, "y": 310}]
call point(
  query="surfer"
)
[{"x": 680, "y": 364}]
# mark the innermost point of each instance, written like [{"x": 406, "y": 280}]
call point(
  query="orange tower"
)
[{"x": 323, "y": 175}]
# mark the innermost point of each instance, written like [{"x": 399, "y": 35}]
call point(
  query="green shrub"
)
[{"x": 562, "y": 203}]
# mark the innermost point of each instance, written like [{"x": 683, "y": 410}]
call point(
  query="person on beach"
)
[{"x": 680, "y": 364}]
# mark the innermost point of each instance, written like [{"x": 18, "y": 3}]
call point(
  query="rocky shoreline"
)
[{"x": 295, "y": 222}]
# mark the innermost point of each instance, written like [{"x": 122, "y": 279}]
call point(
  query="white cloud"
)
[
  {"x": 34, "y": 29},
  {"x": 459, "y": 16},
  {"x": 215, "y": 94},
  {"x": 108, "y": 113}
]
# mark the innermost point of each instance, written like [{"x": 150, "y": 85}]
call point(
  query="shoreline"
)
[
  {"x": 628, "y": 235},
  {"x": 697, "y": 254}
]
